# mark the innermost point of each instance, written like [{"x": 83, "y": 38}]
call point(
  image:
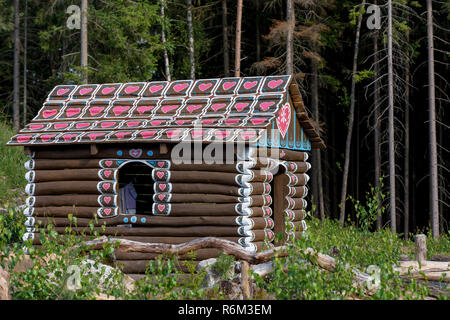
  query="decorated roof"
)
[{"x": 227, "y": 109}]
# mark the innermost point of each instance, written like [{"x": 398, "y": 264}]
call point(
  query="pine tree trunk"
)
[
  {"x": 434, "y": 195},
  {"x": 84, "y": 41},
  {"x": 406, "y": 155},
  {"x": 226, "y": 46},
  {"x": 290, "y": 17},
  {"x": 377, "y": 125},
  {"x": 258, "y": 32},
  {"x": 392, "y": 191},
  {"x": 25, "y": 71},
  {"x": 350, "y": 123},
  {"x": 237, "y": 58},
  {"x": 164, "y": 41},
  {"x": 191, "y": 39},
  {"x": 16, "y": 85}
]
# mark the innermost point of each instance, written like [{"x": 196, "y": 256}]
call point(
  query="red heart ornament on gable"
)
[
  {"x": 284, "y": 119},
  {"x": 108, "y": 90}
]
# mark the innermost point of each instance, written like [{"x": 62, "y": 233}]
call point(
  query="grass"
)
[{"x": 12, "y": 170}]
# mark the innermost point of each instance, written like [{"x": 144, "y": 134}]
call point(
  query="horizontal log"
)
[
  {"x": 297, "y": 179},
  {"x": 194, "y": 197},
  {"x": 200, "y": 254},
  {"x": 297, "y": 166},
  {"x": 188, "y": 231},
  {"x": 151, "y": 221},
  {"x": 189, "y": 188},
  {"x": 86, "y": 200},
  {"x": 62, "y": 175},
  {"x": 81, "y": 212},
  {"x": 295, "y": 203},
  {"x": 68, "y": 187},
  {"x": 231, "y": 168},
  {"x": 224, "y": 178},
  {"x": 56, "y": 164},
  {"x": 204, "y": 209},
  {"x": 295, "y": 215},
  {"x": 283, "y": 154},
  {"x": 296, "y": 192}
]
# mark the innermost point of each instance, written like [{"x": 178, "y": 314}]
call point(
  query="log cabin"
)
[{"x": 170, "y": 162}]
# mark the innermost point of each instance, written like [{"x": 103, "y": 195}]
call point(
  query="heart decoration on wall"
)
[
  {"x": 135, "y": 153},
  {"x": 284, "y": 119}
]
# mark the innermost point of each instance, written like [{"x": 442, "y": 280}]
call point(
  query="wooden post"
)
[
  {"x": 163, "y": 149},
  {"x": 94, "y": 149},
  {"x": 421, "y": 247},
  {"x": 237, "y": 57},
  {"x": 245, "y": 280}
]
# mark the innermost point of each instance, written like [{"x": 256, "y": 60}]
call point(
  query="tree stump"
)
[{"x": 421, "y": 247}]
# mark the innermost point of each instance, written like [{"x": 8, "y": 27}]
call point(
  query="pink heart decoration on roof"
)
[{"x": 60, "y": 92}]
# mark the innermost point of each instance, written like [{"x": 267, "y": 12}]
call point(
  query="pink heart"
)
[
  {"x": 120, "y": 109},
  {"x": 121, "y": 135},
  {"x": 108, "y": 124},
  {"x": 173, "y": 133},
  {"x": 154, "y": 89},
  {"x": 166, "y": 109},
  {"x": 85, "y": 90},
  {"x": 107, "y": 211},
  {"x": 49, "y": 113},
  {"x": 249, "y": 85},
  {"x": 96, "y": 110},
  {"x": 232, "y": 121},
  {"x": 267, "y": 188},
  {"x": 197, "y": 133},
  {"x": 218, "y": 106},
  {"x": 284, "y": 119},
  {"x": 106, "y": 186},
  {"x": 266, "y": 105},
  {"x": 147, "y": 134},
  {"x": 160, "y": 174},
  {"x": 142, "y": 109},
  {"x": 208, "y": 121},
  {"x": 94, "y": 136},
  {"x": 192, "y": 107},
  {"x": 46, "y": 137},
  {"x": 275, "y": 83},
  {"x": 107, "y": 200},
  {"x": 108, "y": 90},
  {"x": 205, "y": 86},
  {"x": 257, "y": 121},
  {"x": 72, "y": 111},
  {"x": 156, "y": 122},
  {"x": 135, "y": 153},
  {"x": 62, "y": 91},
  {"x": 36, "y": 126},
  {"x": 228, "y": 85},
  {"x": 82, "y": 125},
  {"x": 248, "y": 134},
  {"x": 23, "y": 138},
  {"x": 161, "y": 207},
  {"x": 179, "y": 87},
  {"x": 162, "y": 186},
  {"x": 107, "y": 173},
  {"x": 222, "y": 134},
  {"x": 61, "y": 125},
  {"x": 268, "y": 199},
  {"x": 161, "y": 196},
  {"x": 131, "y": 89},
  {"x": 133, "y": 123},
  {"x": 108, "y": 163},
  {"x": 69, "y": 136},
  {"x": 240, "y": 106},
  {"x": 161, "y": 164},
  {"x": 180, "y": 122}
]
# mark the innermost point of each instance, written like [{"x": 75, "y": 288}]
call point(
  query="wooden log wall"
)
[{"x": 176, "y": 202}]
